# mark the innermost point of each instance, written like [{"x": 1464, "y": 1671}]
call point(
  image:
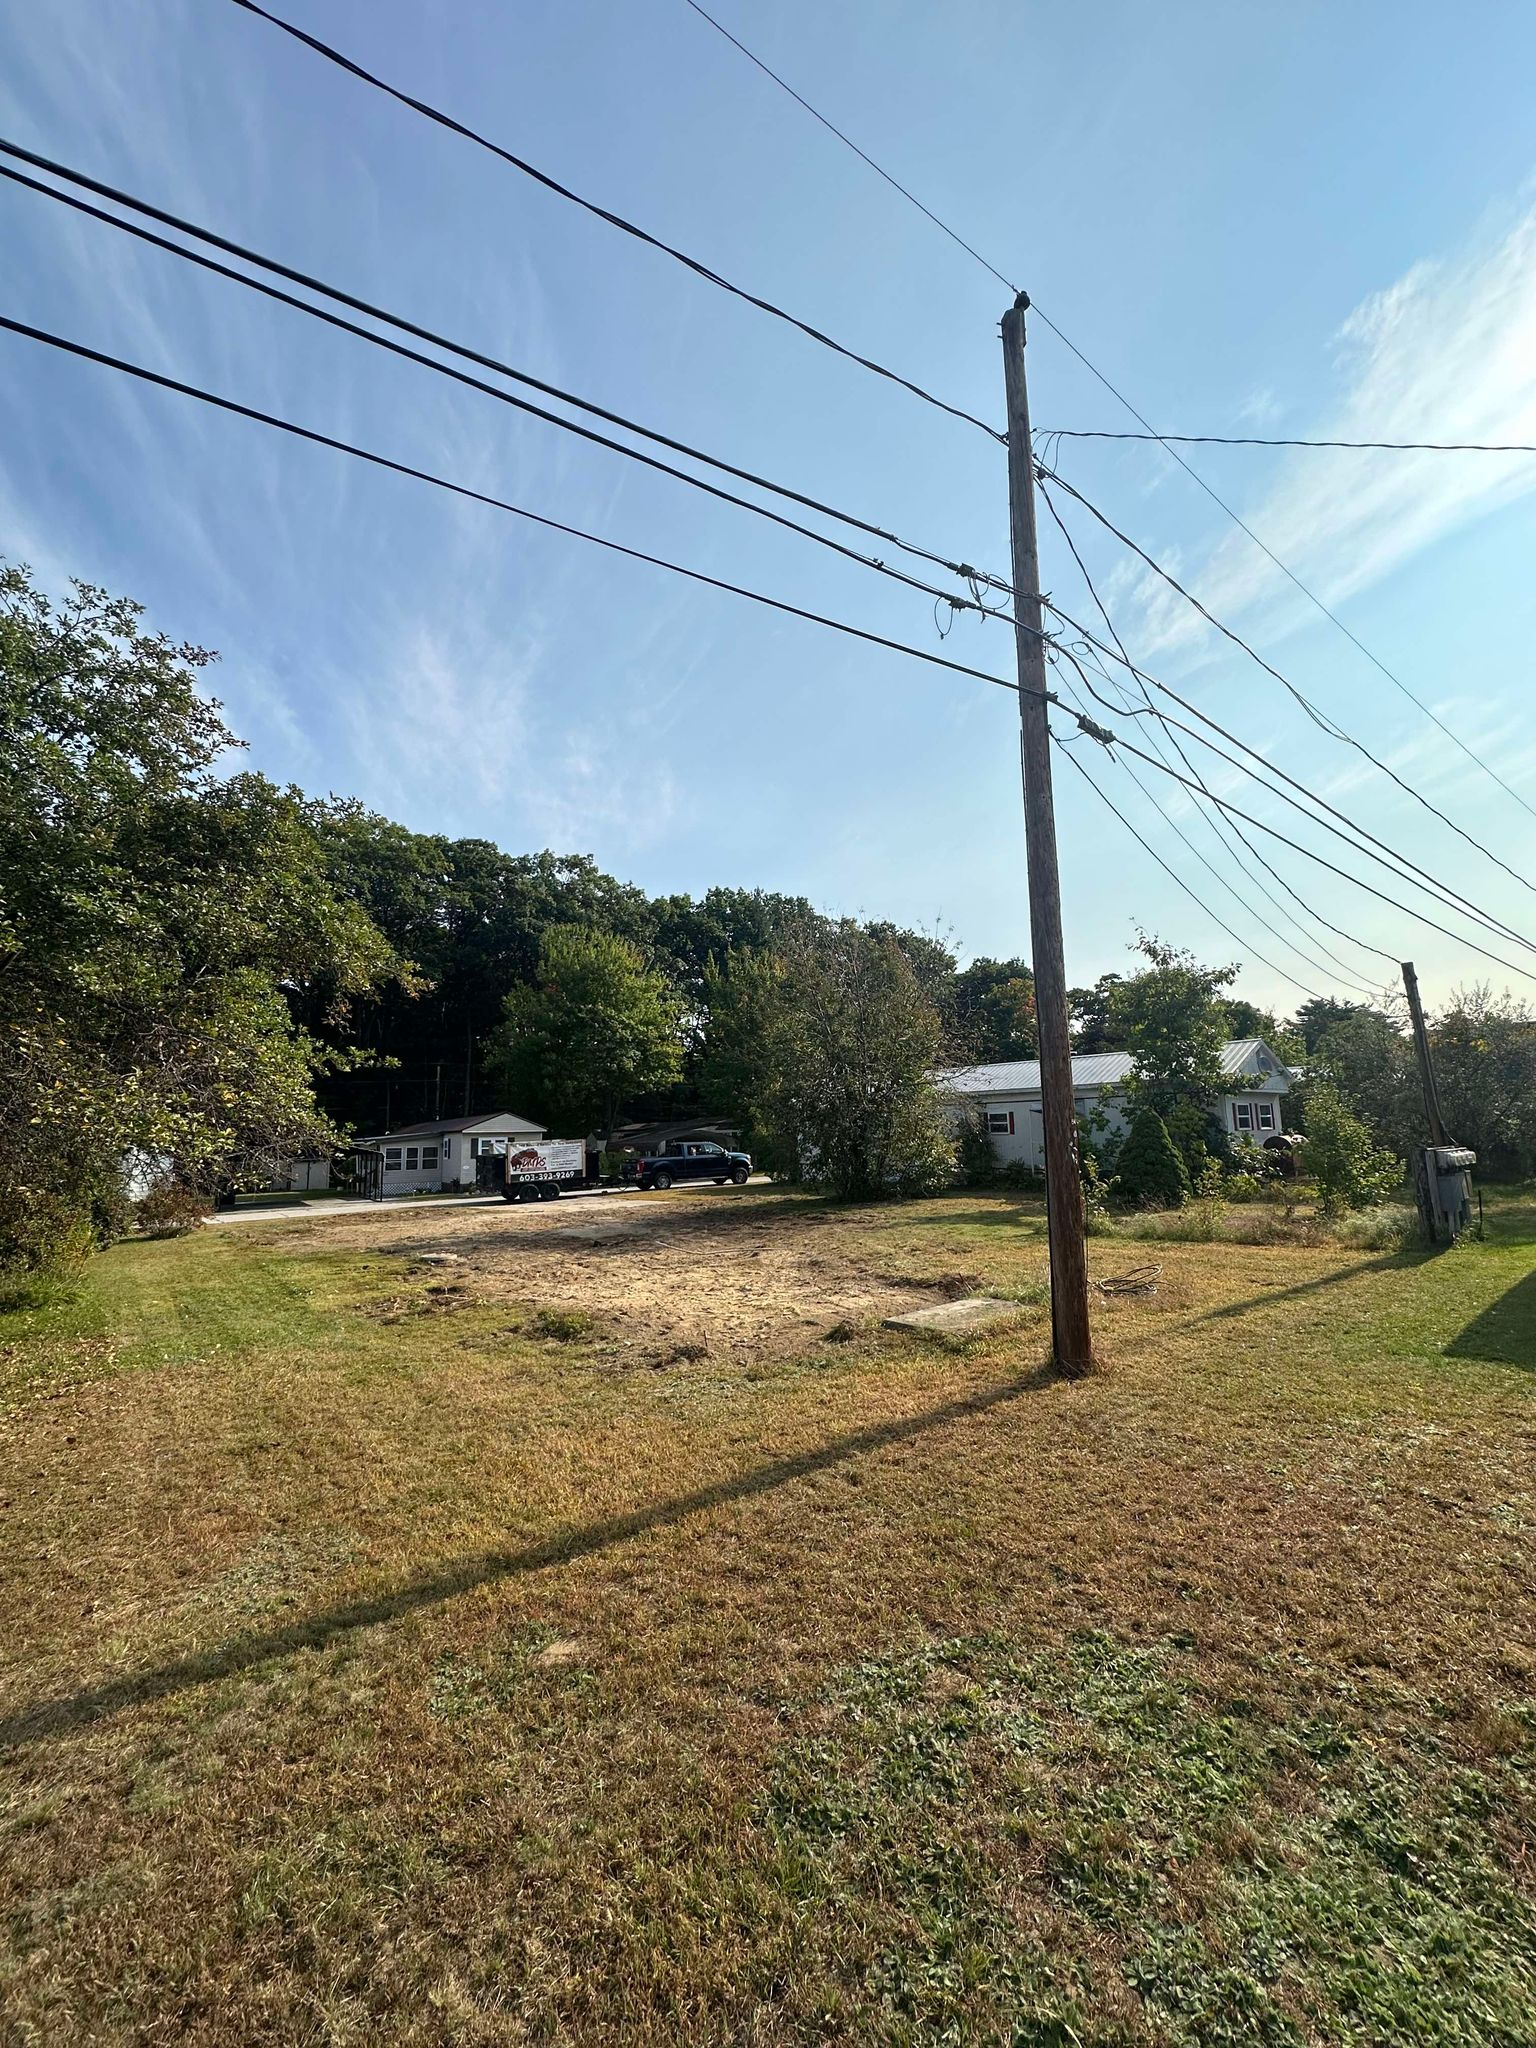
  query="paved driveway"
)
[{"x": 352, "y": 1205}]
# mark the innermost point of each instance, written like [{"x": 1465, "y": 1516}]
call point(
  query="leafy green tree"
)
[
  {"x": 599, "y": 1029},
  {"x": 737, "y": 1069},
  {"x": 932, "y": 963},
  {"x": 1090, "y": 1009},
  {"x": 832, "y": 1042},
  {"x": 695, "y": 936},
  {"x": 1485, "y": 1061},
  {"x": 1368, "y": 1059},
  {"x": 1351, "y": 1171},
  {"x": 156, "y": 921},
  {"x": 1318, "y": 1015},
  {"x": 1149, "y": 1170},
  {"x": 995, "y": 1011},
  {"x": 1173, "y": 1018}
]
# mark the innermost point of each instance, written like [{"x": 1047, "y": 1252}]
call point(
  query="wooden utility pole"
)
[
  {"x": 1431, "y": 1086},
  {"x": 1070, "y": 1330}
]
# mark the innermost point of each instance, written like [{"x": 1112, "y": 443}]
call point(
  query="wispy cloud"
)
[
  {"x": 1446, "y": 353},
  {"x": 1261, "y": 408}
]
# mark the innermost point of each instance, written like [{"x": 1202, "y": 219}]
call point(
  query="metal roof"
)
[
  {"x": 1089, "y": 1070},
  {"x": 498, "y": 1121}
]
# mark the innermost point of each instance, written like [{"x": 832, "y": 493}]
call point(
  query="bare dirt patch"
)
[{"x": 690, "y": 1277}]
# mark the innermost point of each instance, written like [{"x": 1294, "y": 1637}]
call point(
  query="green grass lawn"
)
[{"x": 393, "y": 1653}]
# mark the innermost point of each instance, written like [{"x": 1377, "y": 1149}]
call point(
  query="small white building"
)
[
  {"x": 440, "y": 1155},
  {"x": 1007, "y": 1097}
]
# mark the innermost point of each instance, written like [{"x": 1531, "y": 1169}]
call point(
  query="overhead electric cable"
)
[
  {"x": 848, "y": 141},
  {"x": 313, "y": 435},
  {"x": 493, "y": 391},
  {"x": 1174, "y": 876},
  {"x": 603, "y": 213},
  {"x": 1319, "y": 718},
  {"x": 1230, "y": 887},
  {"x": 964, "y": 570},
  {"x": 426, "y": 476},
  {"x": 1219, "y": 825},
  {"x": 1292, "y": 440},
  {"x": 1274, "y": 832},
  {"x": 1167, "y": 440},
  {"x": 1273, "y": 777},
  {"x": 1331, "y": 965}
]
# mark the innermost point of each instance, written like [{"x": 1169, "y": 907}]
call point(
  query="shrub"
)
[
  {"x": 1351, "y": 1171},
  {"x": 1096, "y": 1193},
  {"x": 1150, "y": 1172},
  {"x": 976, "y": 1155},
  {"x": 926, "y": 1160},
  {"x": 1020, "y": 1178},
  {"x": 170, "y": 1209}
]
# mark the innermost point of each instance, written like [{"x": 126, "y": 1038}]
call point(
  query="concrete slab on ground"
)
[{"x": 956, "y": 1318}]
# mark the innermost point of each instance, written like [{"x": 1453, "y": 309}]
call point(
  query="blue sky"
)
[{"x": 1310, "y": 220}]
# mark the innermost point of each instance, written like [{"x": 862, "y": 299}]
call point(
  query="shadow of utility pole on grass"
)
[
  {"x": 60, "y": 1715},
  {"x": 1273, "y": 1295},
  {"x": 1505, "y": 1332}
]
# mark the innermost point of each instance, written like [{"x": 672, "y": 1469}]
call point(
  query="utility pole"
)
[
  {"x": 1073, "y": 1339},
  {"x": 1437, "y": 1134}
]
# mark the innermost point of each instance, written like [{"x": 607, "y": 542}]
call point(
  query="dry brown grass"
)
[{"x": 379, "y": 1668}]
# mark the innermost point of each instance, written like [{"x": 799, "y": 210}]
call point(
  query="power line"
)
[
  {"x": 1356, "y": 837},
  {"x": 1219, "y": 825},
  {"x": 1404, "y": 868},
  {"x": 492, "y": 391},
  {"x": 1337, "y": 968},
  {"x": 1233, "y": 891},
  {"x": 1172, "y": 873},
  {"x": 1296, "y": 846},
  {"x": 1214, "y": 871},
  {"x": 603, "y": 213},
  {"x": 359, "y": 305},
  {"x": 314, "y": 436},
  {"x": 847, "y": 140},
  {"x": 1307, "y": 592},
  {"x": 267, "y": 419},
  {"x": 1291, "y": 440},
  {"x": 1168, "y": 441},
  {"x": 1319, "y": 718}
]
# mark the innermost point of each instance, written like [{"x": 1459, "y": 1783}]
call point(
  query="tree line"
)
[{"x": 204, "y": 975}]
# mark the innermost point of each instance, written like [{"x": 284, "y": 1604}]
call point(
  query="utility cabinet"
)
[{"x": 1445, "y": 1190}]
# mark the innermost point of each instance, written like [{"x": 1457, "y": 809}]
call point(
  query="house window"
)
[
  {"x": 428, "y": 1157},
  {"x": 487, "y": 1148},
  {"x": 1266, "y": 1115},
  {"x": 1242, "y": 1116},
  {"x": 412, "y": 1155},
  {"x": 1000, "y": 1123},
  {"x": 447, "y": 1148},
  {"x": 391, "y": 1158}
]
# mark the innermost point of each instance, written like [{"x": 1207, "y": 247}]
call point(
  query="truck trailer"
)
[{"x": 539, "y": 1173}]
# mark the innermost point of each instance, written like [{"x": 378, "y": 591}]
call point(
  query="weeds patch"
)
[{"x": 564, "y": 1325}]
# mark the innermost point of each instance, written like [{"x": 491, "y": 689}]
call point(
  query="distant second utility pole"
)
[{"x": 1072, "y": 1337}]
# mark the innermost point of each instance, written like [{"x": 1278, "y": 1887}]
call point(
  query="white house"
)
[
  {"x": 1007, "y": 1096},
  {"x": 441, "y": 1154}
]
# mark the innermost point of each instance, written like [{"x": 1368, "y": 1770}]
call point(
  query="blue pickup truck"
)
[{"x": 692, "y": 1161}]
